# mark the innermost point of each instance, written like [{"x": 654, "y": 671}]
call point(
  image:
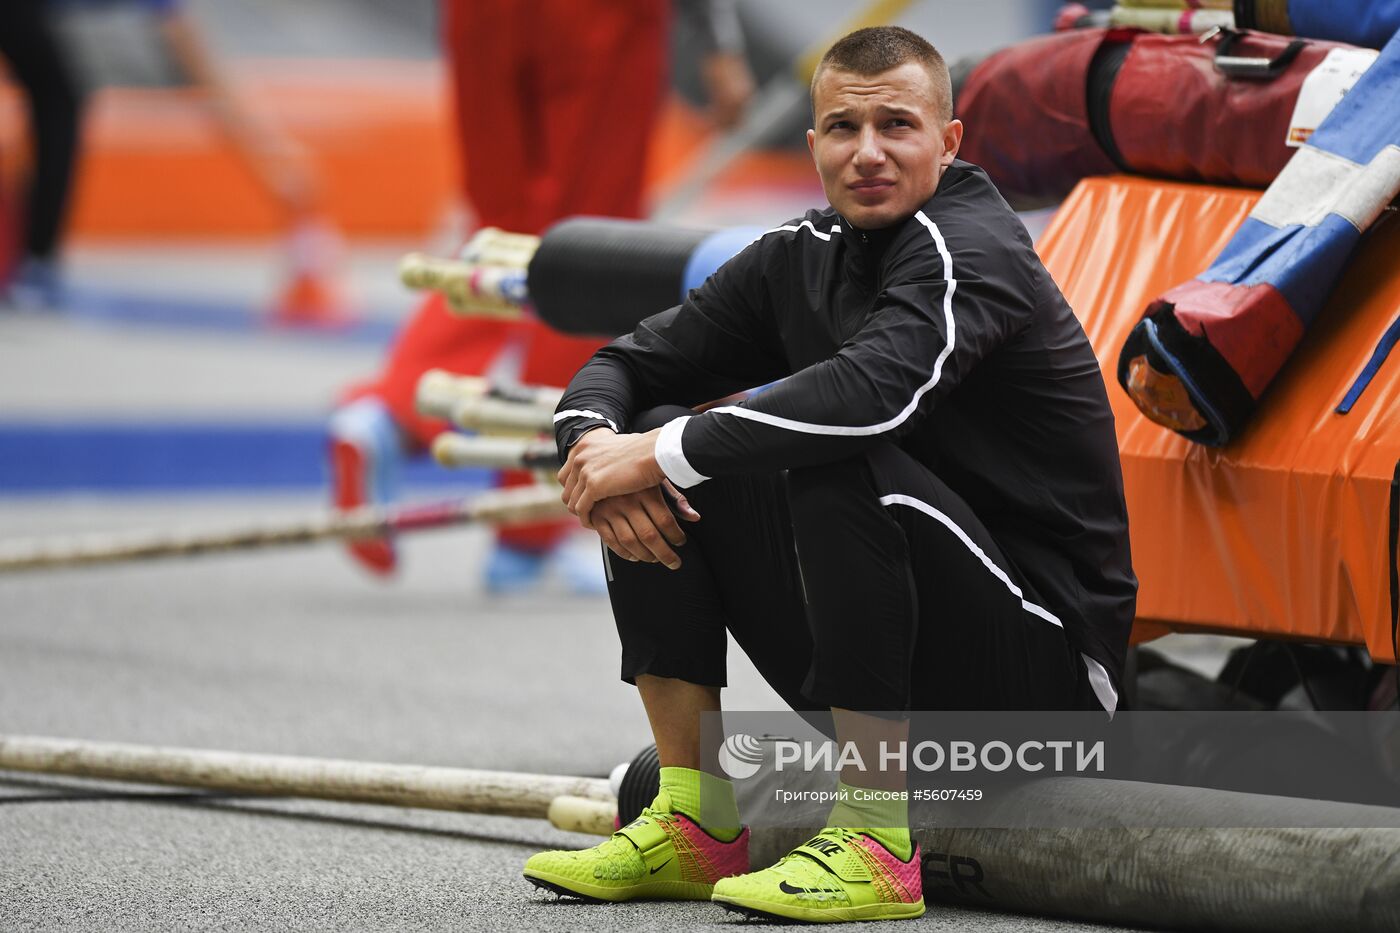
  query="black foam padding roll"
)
[
  {"x": 640, "y": 784},
  {"x": 1132, "y": 853},
  {"x": 597, "y": 276}
]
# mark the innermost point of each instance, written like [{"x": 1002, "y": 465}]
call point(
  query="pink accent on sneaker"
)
[
  {"x": 906, "y": 875},
  {"x": 713, "y": 859}
]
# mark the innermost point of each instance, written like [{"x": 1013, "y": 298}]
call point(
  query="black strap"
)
[
  {"x": 1252, "y": 68},
  {"x": 1103, "y": 74}
]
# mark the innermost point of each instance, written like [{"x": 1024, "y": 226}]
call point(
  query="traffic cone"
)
[{"x": 312, "y": 296}]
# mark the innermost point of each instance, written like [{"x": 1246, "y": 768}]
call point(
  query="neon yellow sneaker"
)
[
  {"x": 660, "y": 855},
  {"x": 836, "y": 876}
]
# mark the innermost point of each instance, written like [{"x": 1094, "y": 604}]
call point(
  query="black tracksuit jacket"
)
[{"x": 942, "y": 334}]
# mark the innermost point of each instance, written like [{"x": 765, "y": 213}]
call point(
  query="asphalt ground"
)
[
  {"x": 289, "y": 651},
  {"x": 292, "y": 652}
]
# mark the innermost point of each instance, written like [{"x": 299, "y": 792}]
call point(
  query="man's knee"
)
[
  {"x": 653, "y": 418},
  {"x": 812, "y": 490},
  {"x": 875, "y": 472}
]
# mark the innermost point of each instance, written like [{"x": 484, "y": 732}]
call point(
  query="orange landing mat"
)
[{"x": 1285, "y": 532}]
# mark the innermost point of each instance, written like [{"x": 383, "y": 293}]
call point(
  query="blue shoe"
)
[
  {"x": 37, "y": 285},
  {"x": 580, "y": 563},
  {"x": 365, "y": 455},
  {"x": 512, "y": 570}
]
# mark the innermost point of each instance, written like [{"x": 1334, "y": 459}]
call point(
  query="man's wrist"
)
[
  {"x": 589, "y": 430},
  {"x": 584, "y": 432},
  {"x": 651, "y": 465}
]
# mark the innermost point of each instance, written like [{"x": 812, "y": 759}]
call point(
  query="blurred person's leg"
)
[
  {"x": 528, "y": 91},
  {"x": 499, "y": 106},
  {"x": 592, "y": 77},
  {"x": 601, "y": 66},
  {"x": 378, "y": 424},
  {"x": 36, "y": 59},
  {"x": 550, "y": 358}
]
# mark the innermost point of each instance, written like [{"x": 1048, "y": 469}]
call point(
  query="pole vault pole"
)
[
  {"x": 502, "y": 793},
  {"x": 501, "y": 506}
]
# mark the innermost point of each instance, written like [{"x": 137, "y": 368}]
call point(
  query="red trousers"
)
[{"x": 555, "y": 104}]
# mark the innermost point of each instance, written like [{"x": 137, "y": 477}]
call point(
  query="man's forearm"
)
[{"x": 599, "y": 396}]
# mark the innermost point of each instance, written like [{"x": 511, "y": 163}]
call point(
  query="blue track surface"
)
[
  {"x": 48, "y": 457},
  {"x": 157, "y": 453}
]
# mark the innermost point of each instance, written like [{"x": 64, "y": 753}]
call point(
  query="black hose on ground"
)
[{"x": 640, "y": 784}]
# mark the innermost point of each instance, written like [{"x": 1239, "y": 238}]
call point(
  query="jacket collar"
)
[{"x": 866, "y": 248}]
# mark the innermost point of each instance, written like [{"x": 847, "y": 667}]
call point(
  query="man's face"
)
[{"x": 880, "y": 143}]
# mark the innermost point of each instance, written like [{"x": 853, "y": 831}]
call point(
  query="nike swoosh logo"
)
[
  {"x": 789, "y": 889},
  {"x": 661, "y": 866}
]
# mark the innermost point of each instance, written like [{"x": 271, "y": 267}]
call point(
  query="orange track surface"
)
[
  {"x": 1284, "y": 532},
  {"x": 155, "y": 162}
]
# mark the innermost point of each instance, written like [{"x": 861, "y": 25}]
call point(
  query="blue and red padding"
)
[
  {"x": 1369, "y": 23},
  {"x": 1206, "y": 351}
]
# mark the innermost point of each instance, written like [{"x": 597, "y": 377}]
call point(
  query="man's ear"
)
[
  {"x": 812, "y": 143},
  {"x": 952, "y": 139}
]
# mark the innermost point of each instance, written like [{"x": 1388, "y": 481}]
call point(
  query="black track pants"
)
[{"x": 865, "y": 584}]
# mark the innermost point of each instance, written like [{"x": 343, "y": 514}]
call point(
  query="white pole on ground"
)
[{"x": 502, "y": 793}]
